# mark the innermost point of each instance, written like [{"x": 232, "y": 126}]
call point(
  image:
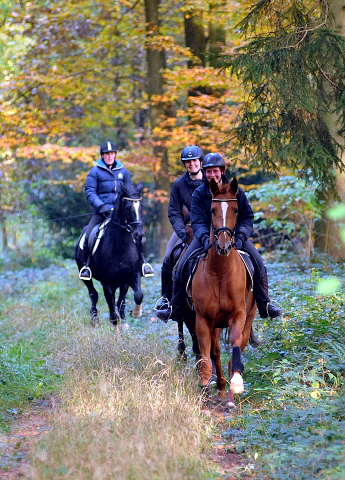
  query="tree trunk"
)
[
  {"x": 328, "y": 235},
  {"x": 195, "y": 38},
  {"x": 155, "y": 64}
]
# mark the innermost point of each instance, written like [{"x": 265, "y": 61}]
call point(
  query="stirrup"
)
[
  {"x": 150, "y": 274},
  {"x": 271, "y": 302},
  {"x": 83, "y": 270}
]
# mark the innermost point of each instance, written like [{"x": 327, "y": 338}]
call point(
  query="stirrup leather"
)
[
  {"x": 143, "y": 270},
  {"x": 85, "y": 269}
]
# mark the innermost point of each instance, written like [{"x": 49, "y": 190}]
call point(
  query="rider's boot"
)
[
  {"x": 166, "y": 280},
  {"x": 177, "y": 299},
  {"x": 165, "y": 309},
  {"x": 85, "y": 271},
  {"x": 264, "y": 304}
]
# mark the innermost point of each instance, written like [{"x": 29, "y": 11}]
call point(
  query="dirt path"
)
[
  {"x": 29, "y": 426},
  {"x": 15, "y": 445}
]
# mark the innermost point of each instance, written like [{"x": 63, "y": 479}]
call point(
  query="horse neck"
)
[{"x": 217, "y": 263}]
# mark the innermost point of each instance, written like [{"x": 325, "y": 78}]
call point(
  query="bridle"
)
[
  {"x": 129, "y": 226},
  {"x": 229, "y": 231}
]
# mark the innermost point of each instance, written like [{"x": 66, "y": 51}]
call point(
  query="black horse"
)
[{"x": 117, "y": 261}]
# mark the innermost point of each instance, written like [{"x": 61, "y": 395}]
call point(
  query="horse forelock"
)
[{"x": 225, "y": 189}]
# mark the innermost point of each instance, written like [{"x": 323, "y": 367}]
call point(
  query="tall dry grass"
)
[{"x": 128, "y": 411}]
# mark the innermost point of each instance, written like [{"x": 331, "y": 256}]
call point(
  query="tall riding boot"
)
[
  {"x": 265, "y": 307},
  {"x": 85, "y": 271},
  {"x": 177, "y": 299},
  {"x": 166, "y": 281}
]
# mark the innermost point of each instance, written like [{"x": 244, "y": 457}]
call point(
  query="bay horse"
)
[
  {"x": 117, "y": 261},
  {"x": 222, "y": 295}
]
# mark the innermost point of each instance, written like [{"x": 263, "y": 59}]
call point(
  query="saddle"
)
[
  {"x": 95, "y": 236},
  {"x": 192, "y": 264}
]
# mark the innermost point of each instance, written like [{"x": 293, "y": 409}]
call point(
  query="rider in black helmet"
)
[
  {"x": 179, "y": 205},
  {"x": 214, "y": 167},
  {"x": 101, "y": 190}
]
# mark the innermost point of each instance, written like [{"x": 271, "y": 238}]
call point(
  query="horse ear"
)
[
  {"x": 213, "y": 186},
  {"x": 234, "y": 185},
  {"x": 139, "y": 188}
]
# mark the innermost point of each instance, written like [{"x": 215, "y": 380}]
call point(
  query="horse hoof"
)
[
  {"x": 236, "y": 384},
  {"x": 137, "y": 311},
  {"x": 95, "y": 321}
]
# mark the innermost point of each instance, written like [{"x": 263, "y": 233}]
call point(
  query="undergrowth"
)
[{"x": 127, "y": 407}]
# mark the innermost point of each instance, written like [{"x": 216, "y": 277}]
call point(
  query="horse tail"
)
[{"x": 253, "y": 340}]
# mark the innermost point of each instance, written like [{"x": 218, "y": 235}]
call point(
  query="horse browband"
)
[
  {"x": 224, "y": 200},
  {"x": 132, "y": 199}
]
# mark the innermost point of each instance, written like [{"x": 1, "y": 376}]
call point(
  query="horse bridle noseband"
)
[{"x": 229, "y": 231}]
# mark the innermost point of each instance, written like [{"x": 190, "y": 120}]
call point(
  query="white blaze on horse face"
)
[
  {"x": 224, "y": 210},
  {"x": 136, "y": 208}
]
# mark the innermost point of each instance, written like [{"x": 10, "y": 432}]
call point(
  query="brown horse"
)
[{"x": 222, "y": 295}]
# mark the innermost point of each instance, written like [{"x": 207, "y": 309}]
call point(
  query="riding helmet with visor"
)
[
  {"x": 191, "y": 152},
  {"x": 213, "y": 160},
  {"x": 107, "y": 147}
]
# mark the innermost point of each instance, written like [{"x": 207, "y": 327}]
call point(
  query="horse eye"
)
[
  {"x": 213, "y": 211},
  {"x": 236, "y": 211}
]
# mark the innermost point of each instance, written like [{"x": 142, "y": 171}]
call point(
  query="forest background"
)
[{"x": 260, "y": 83}]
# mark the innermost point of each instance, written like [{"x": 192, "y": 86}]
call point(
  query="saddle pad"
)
[
  {"x": 248, "y": 264},
  {"x": 96, "y": 235}
]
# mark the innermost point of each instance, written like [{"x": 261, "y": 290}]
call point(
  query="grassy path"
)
[{"x": 123, "y": 408}]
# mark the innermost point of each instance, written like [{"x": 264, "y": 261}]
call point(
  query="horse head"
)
[
  {"x": 132, "y": 210},
  {"x": 224, "y": 215}
]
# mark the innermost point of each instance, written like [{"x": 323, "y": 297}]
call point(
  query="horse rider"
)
[
  {"x": 179, "y": 205},
  {"x": 101, "y": 189},
  {"x": 214, "y": 167}
]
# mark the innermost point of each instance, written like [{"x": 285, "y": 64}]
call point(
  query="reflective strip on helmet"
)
[{"x": 109, "y": 146}]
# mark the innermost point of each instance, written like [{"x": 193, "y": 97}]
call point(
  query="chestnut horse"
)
[{"x": 222, "y": 295}]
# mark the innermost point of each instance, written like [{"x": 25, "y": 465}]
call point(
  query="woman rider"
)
[
  {"x": 179, "y": 205},
  {"x": 101, "y": 189},
  {"x": 214, "y": 166}
]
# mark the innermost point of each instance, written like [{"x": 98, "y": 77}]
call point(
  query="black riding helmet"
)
[
  {"x": 213, "y": 160},
  {"x": 107, "y": 147},
  {"x": 191, "y": 152}
]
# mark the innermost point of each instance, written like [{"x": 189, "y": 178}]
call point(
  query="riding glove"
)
[
  {"x": 104, "y": 210},
  {"x": 205, "y": 240},
  {"x": 239, "y": 241}
]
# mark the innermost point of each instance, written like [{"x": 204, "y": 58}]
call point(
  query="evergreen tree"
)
[{"x": 292, "y": 70}]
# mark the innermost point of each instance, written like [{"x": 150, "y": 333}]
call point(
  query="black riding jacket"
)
[
  {"x": 200, "y": 212},
  {"x": 181, "y": 195}
]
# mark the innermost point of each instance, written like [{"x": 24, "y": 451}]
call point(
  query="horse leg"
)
[
  {"x": 203, "y": 332},
  {"x": 138, "y": 296},
  {"x": 235, "y": 364},
  {"x": 215, "y": 353},
  {"x": 94, "y": 299},
  {"x": 181, "y": 347},
  {"x": 121, "y": 302},
  {"x": 109, "y": 293}
]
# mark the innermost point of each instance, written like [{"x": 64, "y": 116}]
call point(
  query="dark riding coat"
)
[
  {"x": 103, "y": 184},
  {"x": 181, "y": 194},
  {"x": 201, "y": 213}
]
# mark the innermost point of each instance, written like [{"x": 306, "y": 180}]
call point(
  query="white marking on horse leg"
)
[
  {"x": 231, "y": 405},
  {"x": 136, "y": 208},
  {"x": 137, "y": 311},
  {"x": 236, "y": 384}
]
